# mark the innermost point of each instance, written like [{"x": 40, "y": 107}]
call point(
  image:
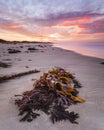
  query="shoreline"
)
[
  {"x": 51, "y": 44},
  {"x": 81, "y": 54},
  {"x": 87, "y": 70},
  {"x": 55, "y": 45}
]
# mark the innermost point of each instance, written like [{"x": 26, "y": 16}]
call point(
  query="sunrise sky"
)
[{"x": 52, "y": 20}]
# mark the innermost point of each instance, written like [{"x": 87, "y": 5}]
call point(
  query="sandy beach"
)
[{"x": 88, "y": 70}]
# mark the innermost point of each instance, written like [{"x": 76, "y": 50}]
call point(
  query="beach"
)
[{"x": 88, "y": 70}]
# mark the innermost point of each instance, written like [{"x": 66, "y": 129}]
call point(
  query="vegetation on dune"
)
[
  {"x": 3, "y": 41},
  {"x": 53, "y": 93},
  {"x": 15, "y": 42}
]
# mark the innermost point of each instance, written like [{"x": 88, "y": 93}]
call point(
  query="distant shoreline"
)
[
  {"x": 16, "y": 42},
  {"x": 81, "y": 54},
  {"x": 77, "y": 52},
  {"x": 49, "y": 43}
]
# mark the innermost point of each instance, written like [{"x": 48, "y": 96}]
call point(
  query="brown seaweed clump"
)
[{"x": 53, "y": 93}]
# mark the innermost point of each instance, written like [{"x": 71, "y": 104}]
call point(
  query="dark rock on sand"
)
[
  {"x": 29, "y": 60},
  {"x": 26, "y": 66},
  {"x": 41, "y": 46},
  {"x": 6, "y": 59},
  {"x": 32, "y": 49},
  {"x": 21, "y": 46},
  {"x": 102, "y": 63},
  {"x": 4, "y": 65},
  {"x": 10, "y": 51}
]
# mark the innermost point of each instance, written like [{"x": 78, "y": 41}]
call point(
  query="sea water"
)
[{"x": 94, "y": 50}]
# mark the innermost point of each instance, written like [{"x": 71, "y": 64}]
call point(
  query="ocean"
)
[{"x": 86, "y": 49}]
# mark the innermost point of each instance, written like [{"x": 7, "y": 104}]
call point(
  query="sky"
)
[{"x": 72, "y": 21}]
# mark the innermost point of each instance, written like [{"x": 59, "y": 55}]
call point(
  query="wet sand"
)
[{"x": 87, "y": 70}]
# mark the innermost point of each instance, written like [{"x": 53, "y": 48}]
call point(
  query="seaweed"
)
[
  {"x": 12, "y": 76},
  {"x": 53, "y": 93},
  {"x": 58, "y": 113}
]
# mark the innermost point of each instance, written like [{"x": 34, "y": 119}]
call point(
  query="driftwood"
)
[
  {"x": 12, "y": 76},
  {"x": 52, "y": 93}
]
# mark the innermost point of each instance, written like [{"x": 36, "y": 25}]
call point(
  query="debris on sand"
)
[
  {"x": 12, "y": 76},
  {"x": 11, "y": 51},
  {"x": 102, "y": 63},
  {"x": 32, "y": 49},
  {"x": 4, "y": 65},
  {"x": 53, "y": 93}
]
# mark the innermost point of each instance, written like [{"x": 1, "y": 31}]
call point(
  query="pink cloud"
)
[{"x": 93, "y": 27}]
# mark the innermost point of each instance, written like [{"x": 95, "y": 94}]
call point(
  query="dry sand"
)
[{"x": 88, "y": 71}]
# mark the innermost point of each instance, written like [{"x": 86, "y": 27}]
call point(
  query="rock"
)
[
  {"x": 29, "y": 60},
  {"x": 102, "y": 63},
  {"x": 32, "y": 48},
  {"x": 10, "y": 51},
  {"x": 4, "y": 65},
  {"x": 26, "y": 66}
]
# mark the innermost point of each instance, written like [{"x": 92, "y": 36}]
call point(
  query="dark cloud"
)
[
  {"x": 53, "y": 19},
  {"x": 30, "y": 17},
  {"x": 72, "y": 15}
]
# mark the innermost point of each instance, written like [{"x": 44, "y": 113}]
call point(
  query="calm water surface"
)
[{"x": 89, "y": 50}]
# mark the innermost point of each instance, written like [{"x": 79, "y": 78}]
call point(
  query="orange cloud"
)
[
  {"x": 12, "y": 26},
  {"x": 70, "y": 30},
  {"x": 69, "y": 22},
  {"x": 15, "y": 26}
]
